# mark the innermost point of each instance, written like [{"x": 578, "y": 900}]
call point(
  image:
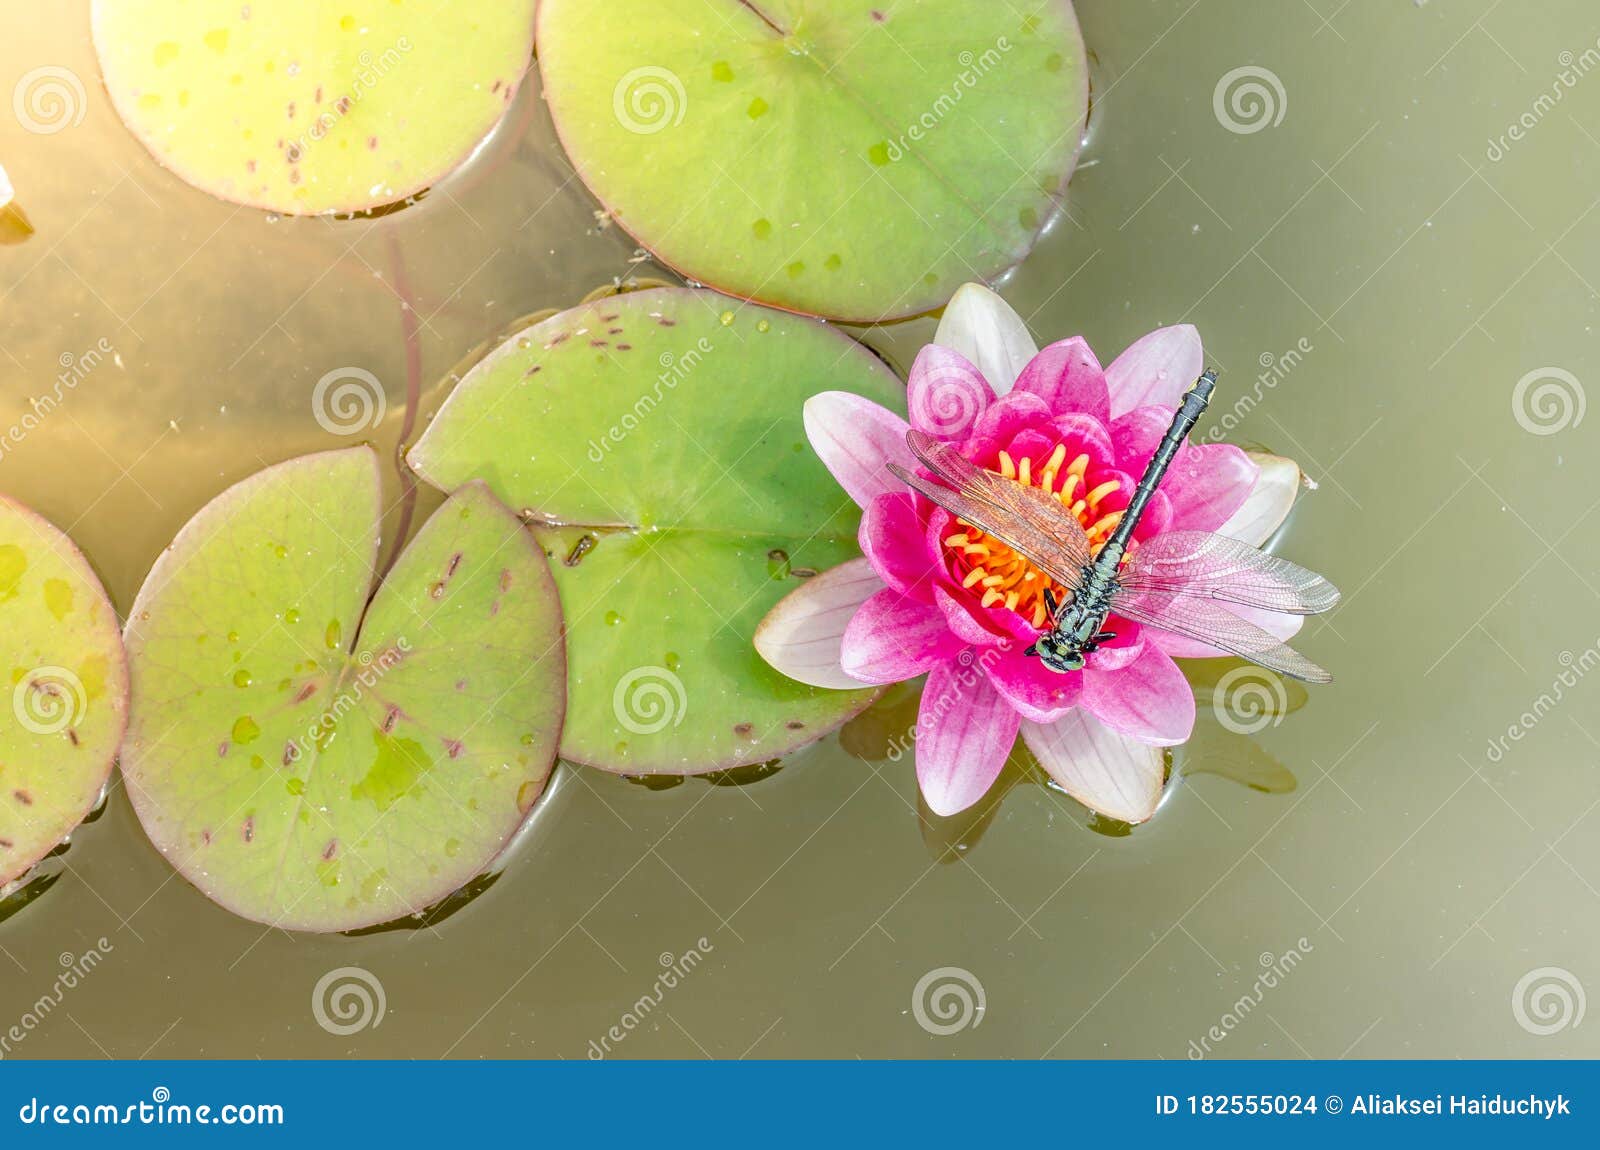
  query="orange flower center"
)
[{"x": 1004, "y": 577}]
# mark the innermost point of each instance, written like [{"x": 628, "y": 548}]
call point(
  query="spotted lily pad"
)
[
  {"x": 856, "y": 158},
  {"x": 305, "y": 106},
  {"x": 66, "y": 694},
  {"x": 319, "y": 762},
  {"x": 656, "y": 440}
]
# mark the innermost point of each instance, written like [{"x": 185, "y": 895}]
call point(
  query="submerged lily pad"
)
[
  {"x": 66, "y": 691},
  {"x": 319, "y": 762},
  {"x": 656, "y": 440},
  {"x": 855, "y": 159},
  {"x": 303, "y": 106}
]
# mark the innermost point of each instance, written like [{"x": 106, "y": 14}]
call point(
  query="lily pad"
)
[
  {"x": 66, "y": 699},
  {"x": 655, "y": 439},
  {"x": 855, "y": 159},
  {"x": 303, "y": 106},
  {"x": 312, "y": 760}
]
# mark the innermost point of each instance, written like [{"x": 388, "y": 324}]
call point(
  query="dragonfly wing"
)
[
  {"x": 1204, "y": 565},
  {"x": 1009, "y": 529},
  {"x": 1209, "y": 622},
  {"x": 1051, "y": 535}
]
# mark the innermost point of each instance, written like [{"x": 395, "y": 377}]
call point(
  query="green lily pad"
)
[
  {"x": 317, "y": 762},
  {"x": 656, "y": 440},
  {"x": 66, "y": 692},
  {"x": 303, "y": 106},
  {"x": 855, "y": 159}
]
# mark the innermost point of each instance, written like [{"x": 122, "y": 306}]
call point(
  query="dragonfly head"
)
[{"x": 1057, "y": 652}]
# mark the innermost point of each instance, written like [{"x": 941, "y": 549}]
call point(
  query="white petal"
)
[
  {"x": 7, "y": 194},
  {"x": 1156, "y": 369},
  {"x": 801, "y": 636},
  {"x": 1269, "y": 502},
  {"x": 1103, "y": 770},
  {"x": 984, "y": 328}
]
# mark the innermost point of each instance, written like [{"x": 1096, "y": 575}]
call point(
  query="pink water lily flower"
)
[{"x": 937, "y": 597}]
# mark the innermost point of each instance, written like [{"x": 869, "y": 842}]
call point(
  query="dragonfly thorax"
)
[{"x": 1076, "y": 626}]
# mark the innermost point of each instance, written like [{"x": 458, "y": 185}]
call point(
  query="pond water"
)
[{"x": 1374, "y": 272}]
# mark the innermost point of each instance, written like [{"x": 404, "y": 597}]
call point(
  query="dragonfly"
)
[{"x": 1183, "y": 582}]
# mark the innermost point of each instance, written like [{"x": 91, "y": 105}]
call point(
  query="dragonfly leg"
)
[
  {"x": 1032, "y": 650},
  {"x": 1050, "y": 603}
]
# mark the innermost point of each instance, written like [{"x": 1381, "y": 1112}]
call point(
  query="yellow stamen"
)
[
  {"x": 1008, "y": 470},
  {"x": 1022, "y": 472},
  {"x": 1094, "y": 497},
  {"x": 973, "y": 576}
]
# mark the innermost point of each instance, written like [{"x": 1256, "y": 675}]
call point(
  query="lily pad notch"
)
[
  {"x": 655, "y": 442},
  {"x": 318, "y": 756},
  {"x": 848, "y": 160}
]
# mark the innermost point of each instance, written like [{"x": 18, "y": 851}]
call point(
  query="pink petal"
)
[
  {"x": 1103, "y": 770},
  {"x": 1122, "y": 651},
  {"x": 1149, "y": 700},
  {"x": 945, "y": 393},
  {"x": 1032, "y": 689},
  {"x": 1001, "y": 423},
  {"x": 802, "y": 635},
  {"x": 895, "y": 542},
  {"x": 1274, "y": 623},
  {"x": 857, "y": 440},
  {"x": 1269, "y": 502},
  {"x": 1083, "y": 435},
  {"x": 965, "y": 730},
  {"x": 985, "y": 329},
  {"x": 1067, "y": 376},
  {"x": 893, "y": 637},
  {"x": 977, "y": 625},
  {"x": 1156, "y": 369},
  {"x": 1136, "y": 434},
  {"x": 1207, "y": 484}
]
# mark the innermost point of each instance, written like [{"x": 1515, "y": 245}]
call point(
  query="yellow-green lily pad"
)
[
  {"x": 305, "y": 106},
  {"x": 858, "y": 159},
  {"x": 66, "y": 688},
  {"x": 655, "y": 441},
  {"x": 315, "y": 755}
]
